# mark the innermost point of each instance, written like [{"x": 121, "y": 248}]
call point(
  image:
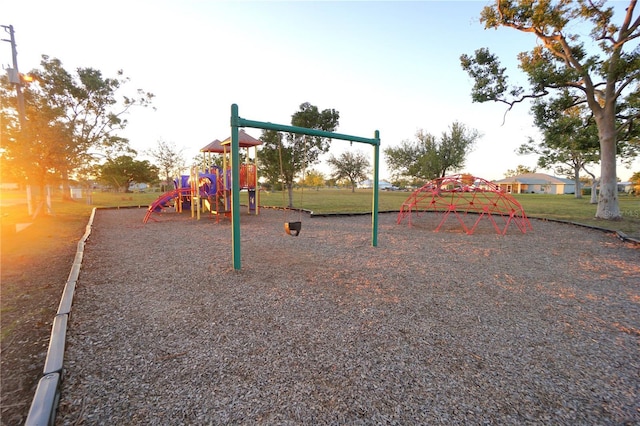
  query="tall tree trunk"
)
[
  {"x": 42, "y": 193},
  {"x": 594, "y": 186},
  {"x": 576, "y": 177},
  {"x": 41, "y": 199},
  {"x": 290, "y": 191},
  {"x": 594, "y": 191},
  {"x": 608, "y": 206},
  {"x": 66, "y": 189}
]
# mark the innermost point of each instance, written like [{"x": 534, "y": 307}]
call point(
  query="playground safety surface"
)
[
  {"x": 35, "y": 263},
  {"x": 428, "y": 327}
]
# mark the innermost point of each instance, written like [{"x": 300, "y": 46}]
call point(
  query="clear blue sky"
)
[{"x": 391, "y": 66}]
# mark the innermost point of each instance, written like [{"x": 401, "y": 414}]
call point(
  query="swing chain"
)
[{"x": 292, "y": 228}]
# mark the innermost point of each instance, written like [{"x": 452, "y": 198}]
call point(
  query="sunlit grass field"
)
[{"x": 558, "y": 207}]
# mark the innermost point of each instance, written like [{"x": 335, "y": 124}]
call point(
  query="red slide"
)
[{"x": 161, "y": 202}]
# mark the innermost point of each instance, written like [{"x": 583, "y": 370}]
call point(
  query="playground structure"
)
[
  {"x": 461, "y": 195},
  {"x": 221, "y": 187},
  {"x": 210, "y": 190}
]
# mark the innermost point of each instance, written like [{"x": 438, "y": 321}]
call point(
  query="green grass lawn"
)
[
  {"x": 567, "y": 207},
  {"x": 557, "y": 207}
]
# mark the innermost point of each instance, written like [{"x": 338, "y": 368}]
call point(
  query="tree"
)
[
  {"x": 604, "y": 77},
  {"x": 569, "y": 138},
  {"x": 427, "y": 157},
  {"x": 32, "y": 151},
  {"x": 270, "y": 158},
  {"x": 353, "y": 166},
  {"x": 169, "y": 160},
  {"x": 520, "y": 170},
  {"x": 69, "y": 118},
  {"x": 284, "y": 156},
  {"x": 414, "y": 158},
  {"x": 635, "y": 181},
  {"x": 123, "y": 171},
  {"x": 313, "y": 179}
]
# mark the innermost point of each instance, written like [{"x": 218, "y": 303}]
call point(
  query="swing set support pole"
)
[
  {"x": 235, "y": 186},
  {"x": 374, "y": 200},
  {"x": 237, "y": 122}
]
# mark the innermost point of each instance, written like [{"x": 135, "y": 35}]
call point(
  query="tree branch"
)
[
  {"x": 517, "y": 101},
  {"x": 627, "y": 82},
  {"x": 626, "y": 24}
]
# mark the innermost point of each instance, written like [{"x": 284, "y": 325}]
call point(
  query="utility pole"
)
[
  {"x": 14, "y": 74},
  {"x": 16, "y": 78}
]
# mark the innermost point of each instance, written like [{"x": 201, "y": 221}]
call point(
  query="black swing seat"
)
[{"x": 293, "y": 228}]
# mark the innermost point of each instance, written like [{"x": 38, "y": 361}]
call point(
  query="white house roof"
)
[{"x": 536, "y": 179}]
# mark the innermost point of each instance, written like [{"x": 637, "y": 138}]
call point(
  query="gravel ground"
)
[{"x": 426, "y": 328}]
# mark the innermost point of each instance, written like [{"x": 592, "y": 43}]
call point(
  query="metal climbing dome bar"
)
[{"x": 469, "y": 199}]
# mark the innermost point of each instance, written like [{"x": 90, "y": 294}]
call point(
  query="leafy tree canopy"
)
[
  {"x": 353, "y": 166},
  {"x": 69, "y": 118},
  {"x": 313, "y": 179},
  {"x": 123, "y": 171},
  {"x": 168, "y": 158},
  {"x": 569, "y": 138},
  {"x": 520, "y": 170},
  {"x": 284, "y": 156},
  {"x": 428, "y": 157},
  {"x": 635, "y": 181}
]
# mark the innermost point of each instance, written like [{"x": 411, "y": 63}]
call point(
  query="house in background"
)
[
  {"x": 625, "y": 187},
  {"x": 383, "y": 185},
  {"x": 536, "y": 183}
]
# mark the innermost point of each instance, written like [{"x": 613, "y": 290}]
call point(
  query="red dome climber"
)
[{"x": 459, "y": 195}]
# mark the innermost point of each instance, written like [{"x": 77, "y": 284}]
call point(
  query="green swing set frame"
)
[{"x": 237, "y": 122}]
